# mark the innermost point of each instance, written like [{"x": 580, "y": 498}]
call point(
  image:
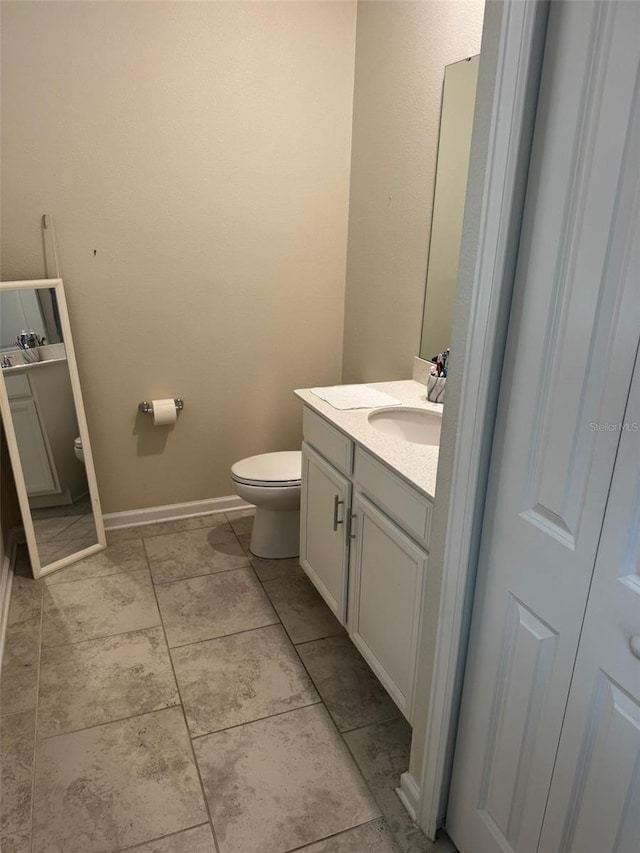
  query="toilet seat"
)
[{"x": 276, "y": 470}]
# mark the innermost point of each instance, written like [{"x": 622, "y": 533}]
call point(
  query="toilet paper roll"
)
[{"x": 164, "y": 412}]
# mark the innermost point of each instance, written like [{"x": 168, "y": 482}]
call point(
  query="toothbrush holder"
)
[
  {"x": 31, "y": 356},
  {"x": 436, "y": 386}
]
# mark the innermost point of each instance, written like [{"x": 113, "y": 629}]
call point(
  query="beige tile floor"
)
[{"x": 175, "y": 694}]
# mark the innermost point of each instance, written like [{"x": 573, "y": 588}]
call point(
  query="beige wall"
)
[
  {"x": 195, "y": 157},
  {"x": 401, "y": 51}
]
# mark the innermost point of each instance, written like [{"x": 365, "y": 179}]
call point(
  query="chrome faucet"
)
[{"x": 6, "y": 361}]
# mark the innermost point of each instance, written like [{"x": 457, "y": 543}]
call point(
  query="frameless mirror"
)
[
  {"x": 45, "y": 426},
  {"x": 454, "y": 144}
]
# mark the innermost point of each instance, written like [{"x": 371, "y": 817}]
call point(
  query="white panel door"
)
[
  {"x": 324, "y": 514},
  {"x": 572, "y": 341},
  {"x": 594, "y": 804}
]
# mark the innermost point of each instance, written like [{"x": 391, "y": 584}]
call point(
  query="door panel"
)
[
  {"x": 34, "y": 454},
  {"x": 573, "y": 335},
  {"x": 594, "y": 804},
  {"x": 325, "y": 502},
  {"x": 384, "y": 612},
  {"x": 526, "y": 661}
]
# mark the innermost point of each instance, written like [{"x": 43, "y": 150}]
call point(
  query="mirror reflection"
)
[
  {"x": 43, "y": 413},
  {"x": 454, "y": 145}
]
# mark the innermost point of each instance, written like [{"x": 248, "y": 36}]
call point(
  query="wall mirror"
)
[
  {"x": 454, "y": 144},
  {"x": 45, "y": 426}
]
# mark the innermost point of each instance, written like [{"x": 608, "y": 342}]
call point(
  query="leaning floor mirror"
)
[{"x": 45, "y": 426}]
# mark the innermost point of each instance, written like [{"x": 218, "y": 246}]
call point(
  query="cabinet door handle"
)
[
  {"x": 352, "y": 522},
  {"x": 336, "y": 503}
]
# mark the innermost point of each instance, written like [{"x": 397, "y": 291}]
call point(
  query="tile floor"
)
[{"x": 175, "y": 694}]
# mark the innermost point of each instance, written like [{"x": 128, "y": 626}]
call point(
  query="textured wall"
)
[
  {"x": 401, "y": 51},
  {"x": 195, "y": 158}
]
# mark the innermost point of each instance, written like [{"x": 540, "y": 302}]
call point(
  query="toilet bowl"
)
[
  {"x": 271, "y": 481},
  {"x": 77, "y": 449}
]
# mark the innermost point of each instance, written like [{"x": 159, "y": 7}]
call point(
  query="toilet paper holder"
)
[{"x": 147, "y": 408}]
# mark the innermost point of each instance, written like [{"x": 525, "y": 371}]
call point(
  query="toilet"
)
[
  {"x": 271, "y": 481},
  {"x": 77, "y": 449}
]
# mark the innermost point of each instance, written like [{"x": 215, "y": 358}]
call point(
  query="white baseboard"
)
[
  {"x": 409, "y": 794},
  {"x": 6, "y": 580},
  {"x": 171, "y": 512}
]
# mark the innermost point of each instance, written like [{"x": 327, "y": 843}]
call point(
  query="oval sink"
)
[{"x": 418, "y": 426}]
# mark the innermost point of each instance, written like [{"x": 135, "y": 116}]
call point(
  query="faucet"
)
[{"x": 6, "y": 361}]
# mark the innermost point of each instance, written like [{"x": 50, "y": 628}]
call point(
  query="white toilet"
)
[
  {"x": 272, "y": 481},
  {"x": 77, "y": 449}
]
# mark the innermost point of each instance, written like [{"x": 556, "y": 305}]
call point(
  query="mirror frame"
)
[
  {"x": 457, "y": 112},
  {"x": 12, "y": 443}
]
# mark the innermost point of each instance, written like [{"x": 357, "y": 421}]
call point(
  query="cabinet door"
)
[
  {"x": 36, "y": 465},
  {"x": 326, "y": 498},
  {"x": 385, "y": 594}
]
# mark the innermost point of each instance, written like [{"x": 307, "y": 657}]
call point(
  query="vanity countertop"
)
[
  {"x": 417, "y": 463},
  {"x": 49, "y": 354},
  {"x": 17, "y": 368}
]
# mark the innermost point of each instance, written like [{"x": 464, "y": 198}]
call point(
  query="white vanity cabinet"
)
[
  {"x": 324, "y": 554},
  {"x": 44, "y": 418},
  {"x": 35, "y": 453},
  {"x": 364, "y": 540}
]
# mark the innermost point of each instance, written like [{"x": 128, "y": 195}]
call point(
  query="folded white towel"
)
[{"x": 355, "y": 397}]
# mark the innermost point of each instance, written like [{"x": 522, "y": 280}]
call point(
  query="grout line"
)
[
  {"x": 397, "y": 716},
  {"x": 152, "y": 534},
  {"x": 103, "y": 636},
  {"x": 186, "y": 724},
  {"x": 108, "y": 722},
  {"x": 323, "y": 637},
  {"x": 200, "y": 575},
  {"x": 162, "y": 837},
  {"x": 205, "y": 575},
  {"x": 73, "y": 520},
  {"x": 222, "y": 636},
  {"x": 366, "y": 781},
  {"x": 238, "y": 535},
  {"x": 93, "y": 578},
  {"x": 337, "y": 730},
  {"x": 258, "y": 719},
  {"x": 343, "y": 832}
]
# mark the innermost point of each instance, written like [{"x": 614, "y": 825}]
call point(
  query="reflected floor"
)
[
  {"x": 176, "y": 694},
  {"x": 64, "y": 530}
]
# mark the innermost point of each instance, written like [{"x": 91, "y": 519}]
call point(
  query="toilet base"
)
[{"x": 275, "y": 535}]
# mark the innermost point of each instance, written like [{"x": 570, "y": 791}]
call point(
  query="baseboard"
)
[
  {"x": 409, "y": 794},
  {"x": 171, "y": 512},
  {"x": 6, "y": 580}
]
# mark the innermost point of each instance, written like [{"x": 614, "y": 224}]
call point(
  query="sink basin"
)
[{"x": 417, "y": 426}]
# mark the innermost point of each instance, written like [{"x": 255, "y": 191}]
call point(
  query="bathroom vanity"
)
[
  {"x": 43, "y": 411},
  {"x": 366, "y": 509}
]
